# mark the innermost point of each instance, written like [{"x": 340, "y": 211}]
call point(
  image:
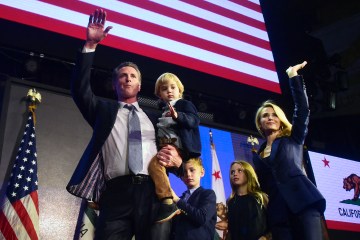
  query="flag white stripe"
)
[
  {"x": 255, "y": 1},
  {"x": 217, "y": 185},
  {"x": 79, "y": 19},
  {"x": 194, "y": 52},
  {"x": 215, "y": 18},
  {"x": 238, "y": 9},
  {"x": 49, "y": 10},
  {"x": 14, "y": 220},
  {"x": 190, "y": 29},
  {"x": 30, "y": 207},
  {"x": 74, "y": 17}
]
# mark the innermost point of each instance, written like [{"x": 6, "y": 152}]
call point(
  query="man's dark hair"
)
[{"x": 125, "y": 64}]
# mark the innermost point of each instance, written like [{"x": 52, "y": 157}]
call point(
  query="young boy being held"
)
[
  {"x": 178, "y": 126},
  {"x": 198, "y": 205}
]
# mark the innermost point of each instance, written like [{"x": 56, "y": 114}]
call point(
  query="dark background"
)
[{"x": 325, "y": 33}]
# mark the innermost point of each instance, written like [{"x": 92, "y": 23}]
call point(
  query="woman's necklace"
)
[{"x": 267, "y": 151}]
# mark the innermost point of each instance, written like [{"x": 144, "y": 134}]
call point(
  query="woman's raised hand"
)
[{"x": 292, "y": 70}]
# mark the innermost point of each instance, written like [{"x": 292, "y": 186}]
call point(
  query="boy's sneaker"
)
[{"x": 166, "y": 212}]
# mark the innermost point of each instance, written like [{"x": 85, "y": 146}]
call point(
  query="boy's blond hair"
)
[
  {"x": 195, "y": 161},
  {"x": 166, "y": 77}
]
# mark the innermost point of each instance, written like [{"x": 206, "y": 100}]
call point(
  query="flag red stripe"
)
[
  {"x": 5, "y": 227},
  {"x": 248, "y": 4},
  {"x": 202, "y": 44},
  {"x": 171, "y": 34},
  {"x": 225, "y": 12},
  {"x": 76, "y": 31},
  {"x": 138, "y": 48},
  {"x": 49, "y": 24},
  {"x": 355, "y": 227},
  {"x": 178, "y": 36},
  {"x": 35, "y": 197},
  {"x": 46, "y": 23},
  {"x": 25, "y": 219},
  {"x": 195, "y": 64},
  {"x": 164, "y": 31}
]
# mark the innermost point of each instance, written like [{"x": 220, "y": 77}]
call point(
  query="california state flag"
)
[
  {"x": 88, "y": 217},
  {"x": 217, "y": 185}
]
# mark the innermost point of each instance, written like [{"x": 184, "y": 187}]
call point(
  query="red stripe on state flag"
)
[{"x": 355, "y": 227}]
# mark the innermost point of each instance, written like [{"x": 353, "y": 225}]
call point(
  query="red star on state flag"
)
[
  {"x": 326, "y": 162},
  {"x": 216, "y": 174}
]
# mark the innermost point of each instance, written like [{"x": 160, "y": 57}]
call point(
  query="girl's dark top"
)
[{"x": 246, "y": 218}]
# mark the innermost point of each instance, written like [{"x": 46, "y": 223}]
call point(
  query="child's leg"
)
[{"x": 161, "y": 180}]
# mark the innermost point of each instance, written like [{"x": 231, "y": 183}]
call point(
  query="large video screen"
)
[
  {"x": 338, "y": 179},
  {"x": 227, "y": 39}
]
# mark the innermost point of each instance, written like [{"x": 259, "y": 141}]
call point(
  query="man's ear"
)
[{"x": 139, "y": 88}]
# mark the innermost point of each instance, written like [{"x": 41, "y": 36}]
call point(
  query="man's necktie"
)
[{"x": 134, "y": 141}]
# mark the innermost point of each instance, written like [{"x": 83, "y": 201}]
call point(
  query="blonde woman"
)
[{"x": 295, "y": 204}]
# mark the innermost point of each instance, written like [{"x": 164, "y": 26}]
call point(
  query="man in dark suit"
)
[
  {"x": 197, "y": 204},
  {"x": 110, "y": 174}
]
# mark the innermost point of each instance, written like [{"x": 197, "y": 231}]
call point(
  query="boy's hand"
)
[{"x": 173, "y": 113}]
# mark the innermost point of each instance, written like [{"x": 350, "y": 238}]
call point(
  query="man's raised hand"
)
[{"x": 95, "y": 32}]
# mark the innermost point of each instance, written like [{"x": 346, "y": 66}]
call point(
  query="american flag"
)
[
  {"x": 19, "y": 214},
  {"x": 225, "y": 38}
]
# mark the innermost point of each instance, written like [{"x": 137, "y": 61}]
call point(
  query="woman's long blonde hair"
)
[
  {"x": 285, "y": 125},
  {"x": 253, "y": 185}
]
